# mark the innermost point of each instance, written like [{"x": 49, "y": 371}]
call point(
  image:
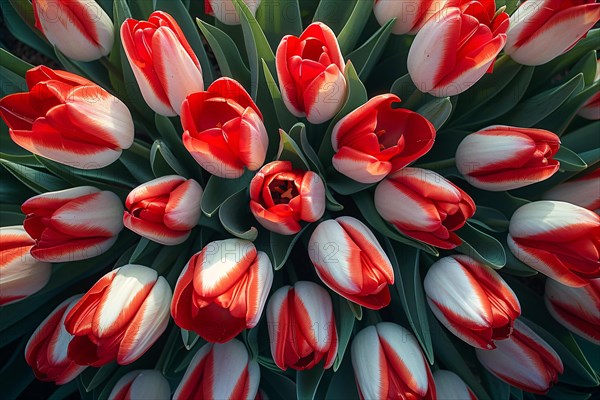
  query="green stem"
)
[
  {"x": 139, "y": 148},
  {"x": 111, "y": 68}
]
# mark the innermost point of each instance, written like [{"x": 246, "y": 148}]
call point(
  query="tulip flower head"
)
[
  {"x": 449, "y": 386},
  {"x": 410, "y": 15},
  {"x": 584, "y": 191},
  {"x": 141, "y": 384},
  {"x": 225, "y": 11}
]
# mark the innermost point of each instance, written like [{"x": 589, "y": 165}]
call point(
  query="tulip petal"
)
[
  {"x": 370, "y": 366},
  {"x": 183, "y": 208},
  {"x": 312, "y": 193},
  {"x": 314, "y": 315},
  {"x": 192, "y": 381},
  {"x": 325, "y": 95},
  {"x": 154, "y": 231},
  {"x": 359, "y": 166},
  {"x": 260, "y": 279}
]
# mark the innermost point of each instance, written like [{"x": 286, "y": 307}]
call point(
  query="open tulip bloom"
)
[{"x": 300, "y": 199}]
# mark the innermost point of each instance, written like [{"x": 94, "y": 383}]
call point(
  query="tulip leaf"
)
[
  {"x": 218, "y": 190},
  {"x": 499, "y": 390},
  {"x": 65, "y": 391},
  {"x": 145, "y": 248},
  {"x": 514, "y": 266},
  {"x": 36, "y": 180},
  {"x": 290, "y": 151},
  {"x": 563, "y": 392},
  {"x": 504, "y": 202},
  {"x": 234, "y": 214},
  {"x": 366, "y": 56},
  {"x": 490, "y": 219},
  {"x": 12, "y": 83},
  {"x": 189, "y": 338},
  {"x": 90, "y": 70},
  {"x": 163, "y": 162},
  {"x": 15, "y": 374},
  {"x": 281, "y": 247},
  {"x": 569, "y": 161},
  {"x": 511, "y": 5},
  {"x": 279, "y": 18},
  {"x": 582, "y": 139},
  {"x": 437, "y": 111},
  {"x": 13, "y": 63},
  {"x": 91, "y": 378},
  {"x": 19, "y": 20},
  {"x": 344, "y": 318},
  {"x": 11, "y": 215},
  {"x": 307, "y": 382},
  {"x": 351, "y": 31},
  {"x": 481, "y": 246},
  {"x": 342, "y": 384},
  {"x": 335, "y": 13},
  {"x": 277, "y": 385},
  {"x": 286, "y": 119}
]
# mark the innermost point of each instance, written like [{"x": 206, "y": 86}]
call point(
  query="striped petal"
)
[
  {"x": 71, "y": 250},
  {"x": 583, "y": 192},
  {"x": 54, "y": 200},
  {"x": 191, "y": 384},
  {"x": 312, "y": 194},
  {"x": 325, "y": 95},
  {"x": 155, "y": 231},
  {"x": 360, "y": 166},
  {"x": 314, "y": 315},
  {"x": 449, "y": 386},
  {"x": 274, "y": 222},
  {"x": 370, "y": 365},
  {"x": 141, "y": 384},
  {"x": 260, "y": 279},
  {"x": 277, "y": 322},
  {"x": 229, "y": 369},
  {"x": 183, "y": 209},
  {"x": 254, "y": 141}
]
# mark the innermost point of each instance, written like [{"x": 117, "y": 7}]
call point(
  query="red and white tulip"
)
[
  {"x": 120, "y": 317},
  {"x": 222, "y": 290},
  {"x": 388, "y": 364},
  {"x": 220, "y": 371},
  {"x": 165, "y": 66},
  {"x": 302, "y": 328},
  {"x": 281, "y": 197},
  {"x": 224, "y": 129},
  {"x": 72, "y": 224},
  {"x": 377, "y": 139},
  {"x": 558, "y": 239},
  {"x": 410, "y": 15},
  {"x": 500, "y": 158},
  {"x": 432, "y": 207},
  {"x": 591, "y": 108},
  {"x": 164, "y": 210},
  {"x": 583, "y": 191},
  {"x": 524, "y": 361},
  {"x": 225, "y": 11},
  {"x": 449, "y": 386},
  {"x": 68, "y": 119},
  {"x": 541, "y": 30},
  {"x": 349, "y": 259},
  {"x": 310, "y": 69},
  {"x": 141, "y": 384}
]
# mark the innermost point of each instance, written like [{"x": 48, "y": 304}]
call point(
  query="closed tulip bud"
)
[
  {"x": 310, "y": 69},
  {"x": 68, "y": 119},
  {"x": 541, "y": 30},
  {"x": 376, "y": 139},
  {"x": 583, "y": 191},
  {"x": 578, "y": 309},
  {"x": 500, "y": 158},
  {"x": 449, "y": 386},
  {"x": 388, "y": 364},
  {"x": 410, "y": 15},
  {"x": 220, "y": 371},
  {"x": 146, "y": 384},
  {"x": 432, "y": 207},
  {"x": 524, "y": 360},
  {"x": 80, "y": 29},
  {"x": 349, "y": 259},
  {"x": 224, "y": 129},
  {"x": 281, "y": 197},
  {"x": 225, "y": 11},
  {"x": 456, "y": 47},
  {"x": 222, "y": 290},
  {"x": 471, "y": 300},
  {"x": 21, "y": 275},
  {"x": 164, "y": 210},
  {"x": 165, "y": 66},
  {"x": 591, "y": 108},
  {"x": 72, "y": 224},
  {"x": 302, "y": 328},
  {"x": 46, "y": 350},
  {"x": 558, "y": 239},
  {"x": 120, "y": 317}
]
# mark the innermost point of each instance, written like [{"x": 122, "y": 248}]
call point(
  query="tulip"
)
[
  {"x": 471, "y": 300},
  {"x": 410, "y": 15},
  {"x": 376, "y": 139},
  {"x": 578, "y": 309},
  {"x": 21, "y": 275},
  {"x": 449, "y": 386},
  {"x": 165, "y": 66},
  {"x": 164, "y": 210},
  {"x": 558, "y": 239},
  {"x": 310, "y": 69},
  {"x": 225, "y": 11},
  {"x": 302, "y": 328},
  {"x": 456, "y": 47},
  {"x": 281, "y": 197},
  {"x": 224, "y": 129},
  {"x": 72, "y": 224},
  {"x": 541, "y": 30},
  {"x": 120, "y": 317},
  {"x": 524, "y": 360},
  {"x": 220, "y": 371},
  {"x": 583, "y": 191},
  {"x": 349, "y": 259},
  {"x": 68, "y": 119},
  {"x": 388, "y": 364},
  {"x": 147, "y": 384},
  {"x": 222, "y": 290},
  {"x": 80, "y": 29},
  {"x": 500, "y": 158},
  {"x": 432, "y": 207},
  {"x": 46, "y": 350},
  {"x": 591, "y": 108}
]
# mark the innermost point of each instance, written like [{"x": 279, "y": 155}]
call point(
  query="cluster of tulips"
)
[{"x": 229, "y": 285}]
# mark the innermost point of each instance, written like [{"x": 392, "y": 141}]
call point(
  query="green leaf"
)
[
  {"x": 235, "y": 216},
  {"x": 511, "y": 5},
  {"x": 490, "y": 219},
  {"x": 561, "y": 392},
  {"x": 91, "y": 378},
  {"x": 356, "y": 309},
  {"x": 366, "y": 56},
  {"x": 277, "y": 385},
  {"x": 481, "y": 246},
  {"x": 290, "y": 151},
  {"x": 307, "y": 382},
  {"x": 13, "y": 63},
  {"x": 15, "y": 374},
  {"x": 91, "y": 70},
  {"x": 569, "y": 161},
  {"x": 344, "y": 318},
  {"x": 351, "y": 31},
  {"x": 342, "y": 384},
  {"x": 437, "y": 111},
  {"x": 279, "y": 18},
  {"x": 189, "y": 338},
  {"x": 11, "y": 215},
  {"x": 286, "y": 119},
  {"x": 220, "y": 189},
  {"x": 281, "y": 247},
  {"x": 334, "y": 13},
  {"x": 19, "y": 20},
  {"x": 143, "y": 248},
  {"x": 65, "y": 391},
  {"x": 163, "y": 162},
  {"x": 36, "y": 180},
  {"x": 499, "y": 390}
]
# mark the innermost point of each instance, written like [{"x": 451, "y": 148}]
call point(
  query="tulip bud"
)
[
  {"x": 432, "y": 207},
  {"x": 164, "y": 210},
  {"x": 591, "y": 108},
  {"x": 68, "y": 119},
  {"x": 500, "y": 158},
  {"x": 80, "y": 29},
  {"x": 456, "y": 47},
  {"x": 449, "y": 386},
  {"x": 302, "y": 327},
  {"x": 471, "y": 300},
  {"x": 310, "y": 69},
  {"x": 524, "y": 360},
  {"x": 220, "y": 371},
  {"x": 558, "y": 239},
  {"x": 349, "y": 259},
  {"x": 224, "y": 129},
  {"x": 225, "y": 11},
  {"x": 73, "y": 224},
  {"x": 146, "y": 384},
  {"x": 388, "y": 364},
  {"x": 410, "y": 15},
  {"x": 578, "y": 309},
  {"x": 21, "y": 275},
  {"x": 165, "y": 66},
  {"x": 46, "y": 350},
  {"x": 222, "y": 290},
  {"x": 583, "y": 191},
  {"x": 120, "y": 317},
  {"x": 376, "y": 139},
  {"x": 541, "y": 30},
  {"x": 281, "y": 197}
]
